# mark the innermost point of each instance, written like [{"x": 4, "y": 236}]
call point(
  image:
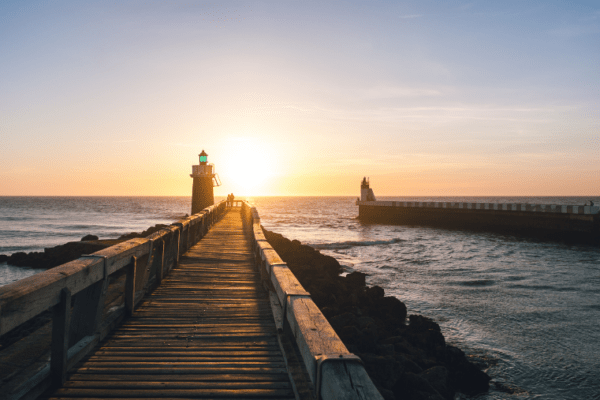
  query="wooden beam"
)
[
  {"x": 61, "y": 320},
  {"x": 130, "y": 287}
]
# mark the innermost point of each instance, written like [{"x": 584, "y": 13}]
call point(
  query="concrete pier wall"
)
[{"x": 576, "y": 223}]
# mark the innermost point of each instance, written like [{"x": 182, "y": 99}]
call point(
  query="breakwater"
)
[
  {"x": 406, "y": 361},
  {"x": 567, "y": 222}
]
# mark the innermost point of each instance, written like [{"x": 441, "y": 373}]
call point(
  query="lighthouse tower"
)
[
  {"x": 366, "y": 193},
  {"x": 204, "y": 181}
]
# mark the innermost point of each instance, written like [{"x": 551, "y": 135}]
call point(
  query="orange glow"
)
[{"x": 248, "y": 166}]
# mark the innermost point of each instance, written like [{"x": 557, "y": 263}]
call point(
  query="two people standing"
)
[{"x": 230, "y": 198}]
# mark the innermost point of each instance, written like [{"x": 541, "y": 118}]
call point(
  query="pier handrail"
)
[
  {"x": 334, "y": 371},
  {"x": 75, "y": 332}
]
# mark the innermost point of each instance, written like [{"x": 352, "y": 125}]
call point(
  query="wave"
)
[{"x": 349, "y": 244}]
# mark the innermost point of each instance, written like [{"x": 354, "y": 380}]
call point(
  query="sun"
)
[{"x": 248, "y": 167}]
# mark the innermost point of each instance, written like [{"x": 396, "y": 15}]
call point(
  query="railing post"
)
[
  {"x": 161, "y": 262},
  {"x": 61, "y": 321},
  {"x": 130, "y": 286},
  {"x": 87, "y": 310}
]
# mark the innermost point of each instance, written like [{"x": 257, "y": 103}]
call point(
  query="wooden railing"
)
[
  {"x": 78, "y": 327},
  {"x": 334, "y": 371},
  {"x": 235, "y": 203}
]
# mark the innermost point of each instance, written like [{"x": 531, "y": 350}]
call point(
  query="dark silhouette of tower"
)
[{"x": 204, "y": 181}]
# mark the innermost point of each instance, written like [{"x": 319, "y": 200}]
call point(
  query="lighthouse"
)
[
  {"x": 366, "y": 193},
  {"x": 205, "y": 179}
]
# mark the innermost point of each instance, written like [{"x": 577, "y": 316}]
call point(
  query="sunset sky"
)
[{"x": 300, "y": 97}]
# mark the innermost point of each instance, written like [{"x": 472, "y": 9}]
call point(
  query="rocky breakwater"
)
[
  {"x": 405, "y": 359},
  {"x": 61, "y": 254}
]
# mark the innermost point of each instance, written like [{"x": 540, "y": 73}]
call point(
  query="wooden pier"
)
[
  {"x": 207, "y": 331},
  {"x": 221, "y": 317}
]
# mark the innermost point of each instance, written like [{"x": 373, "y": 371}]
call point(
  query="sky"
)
[{"x": 426, "y": 98}]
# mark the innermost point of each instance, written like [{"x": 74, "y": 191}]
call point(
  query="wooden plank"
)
[
  {"x": 274, "y": 377},
  {"x": 285, "y": 283},
  {"x": 167, "y": 370},
  {"x": 134, "y": 384},
  {"x": 166, "y": 393},
  {"x": 347, "y": 381}
]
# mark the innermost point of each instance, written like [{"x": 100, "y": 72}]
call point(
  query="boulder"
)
[
  {"x": 411, "y": 386},
  {"x": 89, "y": 237},
  {"x": 438, "y": 377},
  {"x": 356, "y": 280}
]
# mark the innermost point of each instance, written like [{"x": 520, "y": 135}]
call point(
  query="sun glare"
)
[{"x": 247, "y": 167}]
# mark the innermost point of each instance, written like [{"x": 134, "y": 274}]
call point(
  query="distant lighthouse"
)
[{"x": 204, "y": 181}]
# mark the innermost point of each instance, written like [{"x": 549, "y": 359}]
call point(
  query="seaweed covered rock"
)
[{"x": 404, "y": 360}]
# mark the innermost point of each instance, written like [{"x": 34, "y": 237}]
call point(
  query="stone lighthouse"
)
[{"x": 204, "y": 181}]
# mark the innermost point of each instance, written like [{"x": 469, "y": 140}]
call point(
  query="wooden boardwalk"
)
[{"x": 207, "y": 332}]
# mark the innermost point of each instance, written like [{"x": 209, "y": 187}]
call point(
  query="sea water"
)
[{"x": 529, "y": 309}]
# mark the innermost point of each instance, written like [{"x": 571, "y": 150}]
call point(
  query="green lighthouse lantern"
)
[{"x": 203, "y": 157}]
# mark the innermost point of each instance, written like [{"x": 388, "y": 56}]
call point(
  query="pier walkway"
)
[{"x": 206, "y": 332}]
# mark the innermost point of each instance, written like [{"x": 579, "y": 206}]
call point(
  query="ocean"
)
[{"x": 529, "y": 308}]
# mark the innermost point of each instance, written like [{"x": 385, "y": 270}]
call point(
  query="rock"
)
[
  {"x": 89, "y": 237},
  {"x": 145, "y": 233},
  {"x": 374, "y": 292},
  {"x": 403, "y": 365},
  {"x": 386, "y": 393},
  {"x": 343, "y": 320},
  {"x": 391, "y": 310},
  {"x": 356, "y": 280},
  {"x": 464, "y": 375},
  {"x": 3, "y": 258},
  {"x": 57, "y": 255},
  {"x": 410, "y": 386},
  {"x": 350, "y": 335},
  {"x": 381, "y": 368},
  {"x": 438, "y": 378}
]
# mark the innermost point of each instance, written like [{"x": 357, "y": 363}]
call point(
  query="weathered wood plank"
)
[
  {"x": 212, "y": 384},
  {"x": 166, "y": 393},
  {"x": 183, "y": 377}
]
